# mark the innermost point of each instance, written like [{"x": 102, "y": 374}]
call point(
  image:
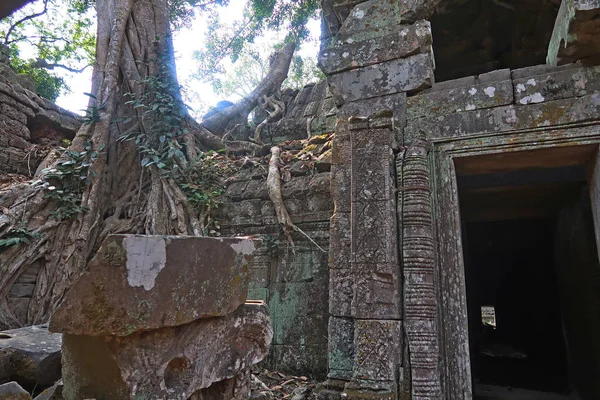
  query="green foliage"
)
[
  {"x": 64, "y": 184},
  {"x": 163, "y": 116},
  {"x": 46, "y": 84},
  {"x": 228, "y": 41},
  {"x": 17, "y": 235},
  {"x": 202, "y": 183},
  {"x": 52, "y": 34},
  {"x": 92, "y": 113}
]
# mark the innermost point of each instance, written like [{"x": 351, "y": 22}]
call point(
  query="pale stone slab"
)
[{"x": 137, "y": 283}]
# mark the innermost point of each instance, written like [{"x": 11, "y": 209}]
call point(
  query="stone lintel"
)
[
  {"x": 556, "y": 85},
  {"x": 466, "y": 98},
  {"x": 508, "y": 118},
  {"x": 138, "y": 283},
  {"x": 576, "y": 34}
]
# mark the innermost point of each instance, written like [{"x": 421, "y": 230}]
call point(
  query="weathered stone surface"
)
[
  {"x": 506, "y": 118},
  {"x": 168, "y": 362},
  {"x": 576, "y": 32},
  {"x": 377, "y": 350},
  {"x": 30, "y": 355},
  {"x": 400, "y": 75},
  {"x": 348, "y": 53},
  {"x": 556, "y": 85},
  {"x": 13, "y": 391},
  {"x": 136, "y": 283},
  {"x": 341, "y": 348},
  {"x": 341, "y": 292},
  {"x": 52, "y": 393},
  {"x": 377, "y": 291},
  {"x": 467, "y": 98}
]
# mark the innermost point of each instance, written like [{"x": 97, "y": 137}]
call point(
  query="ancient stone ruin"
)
[{"x": 449, "y": 165}]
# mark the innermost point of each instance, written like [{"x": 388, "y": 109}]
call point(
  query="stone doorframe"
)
[{"x": 449, "y": 274}]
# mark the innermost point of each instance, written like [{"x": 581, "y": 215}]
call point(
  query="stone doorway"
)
[{"x": 530, "y": 259}]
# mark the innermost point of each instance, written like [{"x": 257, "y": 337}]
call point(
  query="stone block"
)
[
  {"x": 376, "y": 294},
  {"x": 377, "y": 347},
  {"x": 494, "y": 76},
  {"x": 341, "y": 187},
  {"x": 341, "y": 149},
  {"x": 30, "y": 355},
  {"x": 136, "y": 283},
  {"x": 257, "y": 293},
  {"x": 374, "y": 238},
  {"x": 347, "y": 53},
  {"x": 372, "y": 139},
  {"x": 373, "y": 174},
  {"x": 558, "y": 112},
  {"x": 307, "y": 329},
  {"x": 464, "y": 123},
  {"x": 341, "y": 292},
  {"x": 400, "y": 75},
  {"x": 576, "y": 34},
  {"x": 540, "y": 69},
  {"x": 556, "y": 85},
  {"x": 307, "y": 264},
  {"x": 341, "y": 348},
  {"x": 368, "y": 107},
  {"x": 435, "y": 103},
  {"x": 340, "y": 248},
  {"x": 13, "y": 113},
  {"x": 168, "y": 362},
  {"x": 13, "y": 391},
  {"x": 299, "y": 359}
]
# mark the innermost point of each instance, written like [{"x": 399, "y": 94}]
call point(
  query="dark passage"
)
[
  {"x": 510, "y": 267},
  {"x": 532, "y": 275}
]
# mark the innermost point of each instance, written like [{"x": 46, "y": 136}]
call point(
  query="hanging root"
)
[
  {"x": 274, "y": 189},
  {"x": 278, "y": 109}
]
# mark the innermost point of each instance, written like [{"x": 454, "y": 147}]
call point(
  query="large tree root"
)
[{"x": 274, "y": 189}]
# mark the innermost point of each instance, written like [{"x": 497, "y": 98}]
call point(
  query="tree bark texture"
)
[{"x": 122, "y": 197}]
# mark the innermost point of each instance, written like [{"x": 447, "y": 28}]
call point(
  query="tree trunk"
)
[
  {"x": 270, "y": 84},
  {"x": 133, "y": 44}
]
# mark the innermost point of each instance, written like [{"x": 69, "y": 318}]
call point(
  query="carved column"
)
[{"x": 418, "y": 252}]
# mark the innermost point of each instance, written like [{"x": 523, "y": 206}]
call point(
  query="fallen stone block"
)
[
  {"x": 30, "y": 356},
  {"x": 13, "y": 391},
  {"x": 168, "y": 363},
  {"x": 138, "y": 283}
]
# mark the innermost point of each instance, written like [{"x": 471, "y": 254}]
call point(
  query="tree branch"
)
[
  {"x": 39, "y": 63},
  {"x": 27, "y": 18},
  {"x": 269, "y": 85}
]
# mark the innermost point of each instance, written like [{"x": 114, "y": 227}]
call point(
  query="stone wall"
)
[
  {"x": 29, "y": 125},
  {"x": 293, "y": 281}
]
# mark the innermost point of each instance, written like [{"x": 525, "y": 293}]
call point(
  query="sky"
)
[{"x": 186, "y": 41}]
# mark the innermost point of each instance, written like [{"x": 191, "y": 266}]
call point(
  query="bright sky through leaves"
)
[{"x": 199, "y": 96}]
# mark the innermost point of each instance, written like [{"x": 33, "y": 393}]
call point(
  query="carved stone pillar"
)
[{"x": 420, "y": 304}]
